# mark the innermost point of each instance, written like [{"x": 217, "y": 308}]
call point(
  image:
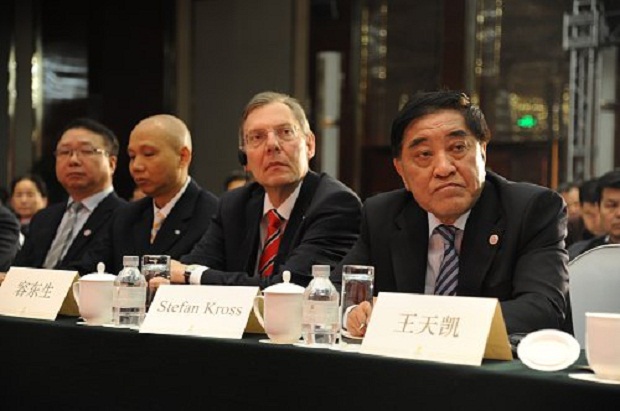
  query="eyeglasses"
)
[
  {"x": 82, "y": 152},
  {"x": 257, "y": 138}
]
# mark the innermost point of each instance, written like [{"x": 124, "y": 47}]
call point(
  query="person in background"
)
[
  {"x": 575, "y": 227},
  {"x": 457, "y": 229},
  {"x": 176, "y": 211},
  {"x": 9, "y": 239},
  {"x": 607, "y": 198},
  {"x": 288, "y": 218},
  {"x": 60, "y": 234},
  {"x": 236, "y": 179},
  {"x": 28, "y": 195},
  {"x": 590, "y": 212},
  {"x": 137, "y": 194}
]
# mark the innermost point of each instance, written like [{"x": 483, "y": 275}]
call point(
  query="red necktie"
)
[{"x": 272, "y": 242}]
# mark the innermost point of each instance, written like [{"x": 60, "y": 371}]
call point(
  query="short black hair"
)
[
  {"x": 35, "y": 178},
  {"x": 109, "y": 138},
  {"x": 610, "y": 179},
  {"x": 587, "y": 191},
  {"x": 423, "y": 103}
]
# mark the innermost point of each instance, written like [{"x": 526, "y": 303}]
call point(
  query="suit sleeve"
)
[
  {"x": 540, "y": 278},
  {"x": 9, "y": 238}
]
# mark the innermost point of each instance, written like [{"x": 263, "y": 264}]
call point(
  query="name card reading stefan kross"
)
[
  {"x": 207, "y": 311},
  {"x": 34, "y": 293},
  {"x": 457, "y": 330}
]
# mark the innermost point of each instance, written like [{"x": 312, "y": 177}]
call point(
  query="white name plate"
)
[
  {"x": 206, "y": 311},
  {"x": 456, "y": 330},
  {"x": 34, "y": 292}
]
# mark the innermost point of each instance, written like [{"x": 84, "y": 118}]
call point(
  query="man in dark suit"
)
[
  {"x": 507, "y": 238},
  {"x": 9, "y": 238},
  {"x": 175, "y": 212},
  {"x": 607, "y": 199},
  {"x": 289, "y": 218},
  {"x": 60, "y": 234}
]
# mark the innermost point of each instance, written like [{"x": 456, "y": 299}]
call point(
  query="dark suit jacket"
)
[
  {"x": 9, "y": 237},
  {"x": 526, "y": 270},
  {"x": 43, "y": 228},
  {"x": 582, "y": 246},
  {"x": 130, "y": 231},
  {"x": 323, "y": 226}
]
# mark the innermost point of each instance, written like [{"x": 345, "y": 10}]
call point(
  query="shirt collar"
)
[
  {"x": 90, "y": 203},
  {"x": 286, "y": 208},
  {"x": 165, "y": 210},
  {"x": 433, "y": 222}
]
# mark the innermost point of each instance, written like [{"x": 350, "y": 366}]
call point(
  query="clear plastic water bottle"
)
[
  {"x": 320, "y": 323},
  {"x": 129, "y": 294}
]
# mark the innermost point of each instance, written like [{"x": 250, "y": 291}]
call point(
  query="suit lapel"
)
[
  {"x": 306, "y": 194},
  {"x": 98, "y": 217},
  {"x": 409, "y": 247},
  {"x": 177, "y": 222},
  {"x": 482, "y": 238},
  {"x": 249, "y": 246},
  {"x": 141, "y": 229}
]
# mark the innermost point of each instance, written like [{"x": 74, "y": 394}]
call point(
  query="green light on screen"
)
[{"x": 527, "y": 121}]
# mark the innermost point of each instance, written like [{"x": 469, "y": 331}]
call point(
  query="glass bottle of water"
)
[
  {"x": 320, "y": 323},
  {"x": 129, "y": 294}
]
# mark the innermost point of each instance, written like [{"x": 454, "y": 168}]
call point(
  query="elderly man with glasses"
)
[
  {"x": 289, "y": 218},
  {"x": 60, "y": 234}
]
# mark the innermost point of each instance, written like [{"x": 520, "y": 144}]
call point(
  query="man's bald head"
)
[{"x": 169, "y": 127}]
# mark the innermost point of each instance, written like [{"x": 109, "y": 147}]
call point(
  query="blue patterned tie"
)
[{"x": 449, "y": 270}]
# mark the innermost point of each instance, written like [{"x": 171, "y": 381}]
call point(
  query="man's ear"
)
[{"x": 398, "y": 165}]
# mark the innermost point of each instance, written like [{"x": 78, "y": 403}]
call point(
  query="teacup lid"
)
[
  {"x": 285, "y": 287},
  {"x": 100, "y": 275}
]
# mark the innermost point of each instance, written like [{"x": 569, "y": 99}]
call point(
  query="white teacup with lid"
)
[
  {"x": 282, "y": 311},
  {"x": 93, "y": 294}
]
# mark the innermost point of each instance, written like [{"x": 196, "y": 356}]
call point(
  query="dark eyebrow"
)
[
  {"x": 417, "y": 141},
  {"x": 459, "y": 133}
]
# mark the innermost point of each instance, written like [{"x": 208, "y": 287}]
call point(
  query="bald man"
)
[{"x": 175, "y": 212}]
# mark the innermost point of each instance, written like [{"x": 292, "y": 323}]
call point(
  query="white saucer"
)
[
  {"x": 548, "y": 350},
  {"x": 592, "y": 377}
]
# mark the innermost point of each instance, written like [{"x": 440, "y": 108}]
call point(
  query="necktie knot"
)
[
  {"x": 273, "y": 219},
  {"x": 447, "y": 232}
]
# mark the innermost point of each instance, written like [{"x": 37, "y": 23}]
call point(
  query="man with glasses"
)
[
  {"x": 289, "y": 218},
  {"x": 60, "y": 234}
]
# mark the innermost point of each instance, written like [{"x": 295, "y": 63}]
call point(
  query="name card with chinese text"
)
[
  {"x": 456, "y": 330},
  {"x": 35, "y": 293},
  {"x": 206, "y": 311}
]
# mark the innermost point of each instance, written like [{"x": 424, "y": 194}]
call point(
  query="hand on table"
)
[
  {"x": 2, "y": 275},
  {"x": 155, "y": 282},
  {"x": 358, "y": 318}
]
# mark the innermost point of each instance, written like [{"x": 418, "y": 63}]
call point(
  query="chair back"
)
[{"x": 594, "y": 285}]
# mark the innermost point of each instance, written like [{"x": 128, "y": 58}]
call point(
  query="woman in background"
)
[{"x": 28, "y": 195}]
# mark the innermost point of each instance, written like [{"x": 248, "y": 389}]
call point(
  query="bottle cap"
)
[
  {"x": 321, "y": 270},
  {"x": 131, "y": 260}
]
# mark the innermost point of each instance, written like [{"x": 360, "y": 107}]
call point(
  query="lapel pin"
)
[
  {"x": 87, "y": 232},
  {"x": 177, "y": 232},
  {"x": 493, "y": 239}
]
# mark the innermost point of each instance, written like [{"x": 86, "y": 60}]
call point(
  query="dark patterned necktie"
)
[
  {"x": 272, "y": 242},
  {"x": 447, "y": 279}
]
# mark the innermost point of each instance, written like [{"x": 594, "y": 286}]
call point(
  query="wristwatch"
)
[{"x": 188, "y": 273}]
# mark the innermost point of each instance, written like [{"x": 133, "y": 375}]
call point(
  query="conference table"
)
[{"x": 61, "y": 365}]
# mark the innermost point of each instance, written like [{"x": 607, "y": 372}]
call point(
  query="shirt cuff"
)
[{"x": 196, "y": 273}]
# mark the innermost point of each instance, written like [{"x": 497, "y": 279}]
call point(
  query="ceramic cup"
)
[
  {"x": 281, "y": 312},
  {"x": 603, "y": 344},
  {"x": 94, "y": 294}
]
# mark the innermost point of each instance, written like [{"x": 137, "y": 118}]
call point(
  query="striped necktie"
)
[
  {"x": 63, "y": 239},
  {"x": 272, "y": 242},
  {"x": 157, "y": 222},
  {"x": 447, "y": 279}
]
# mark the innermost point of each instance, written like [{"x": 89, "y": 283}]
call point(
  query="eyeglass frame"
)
[
  {"x": 81, "y": 152},
  {"x": 264, "y": 134}
]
